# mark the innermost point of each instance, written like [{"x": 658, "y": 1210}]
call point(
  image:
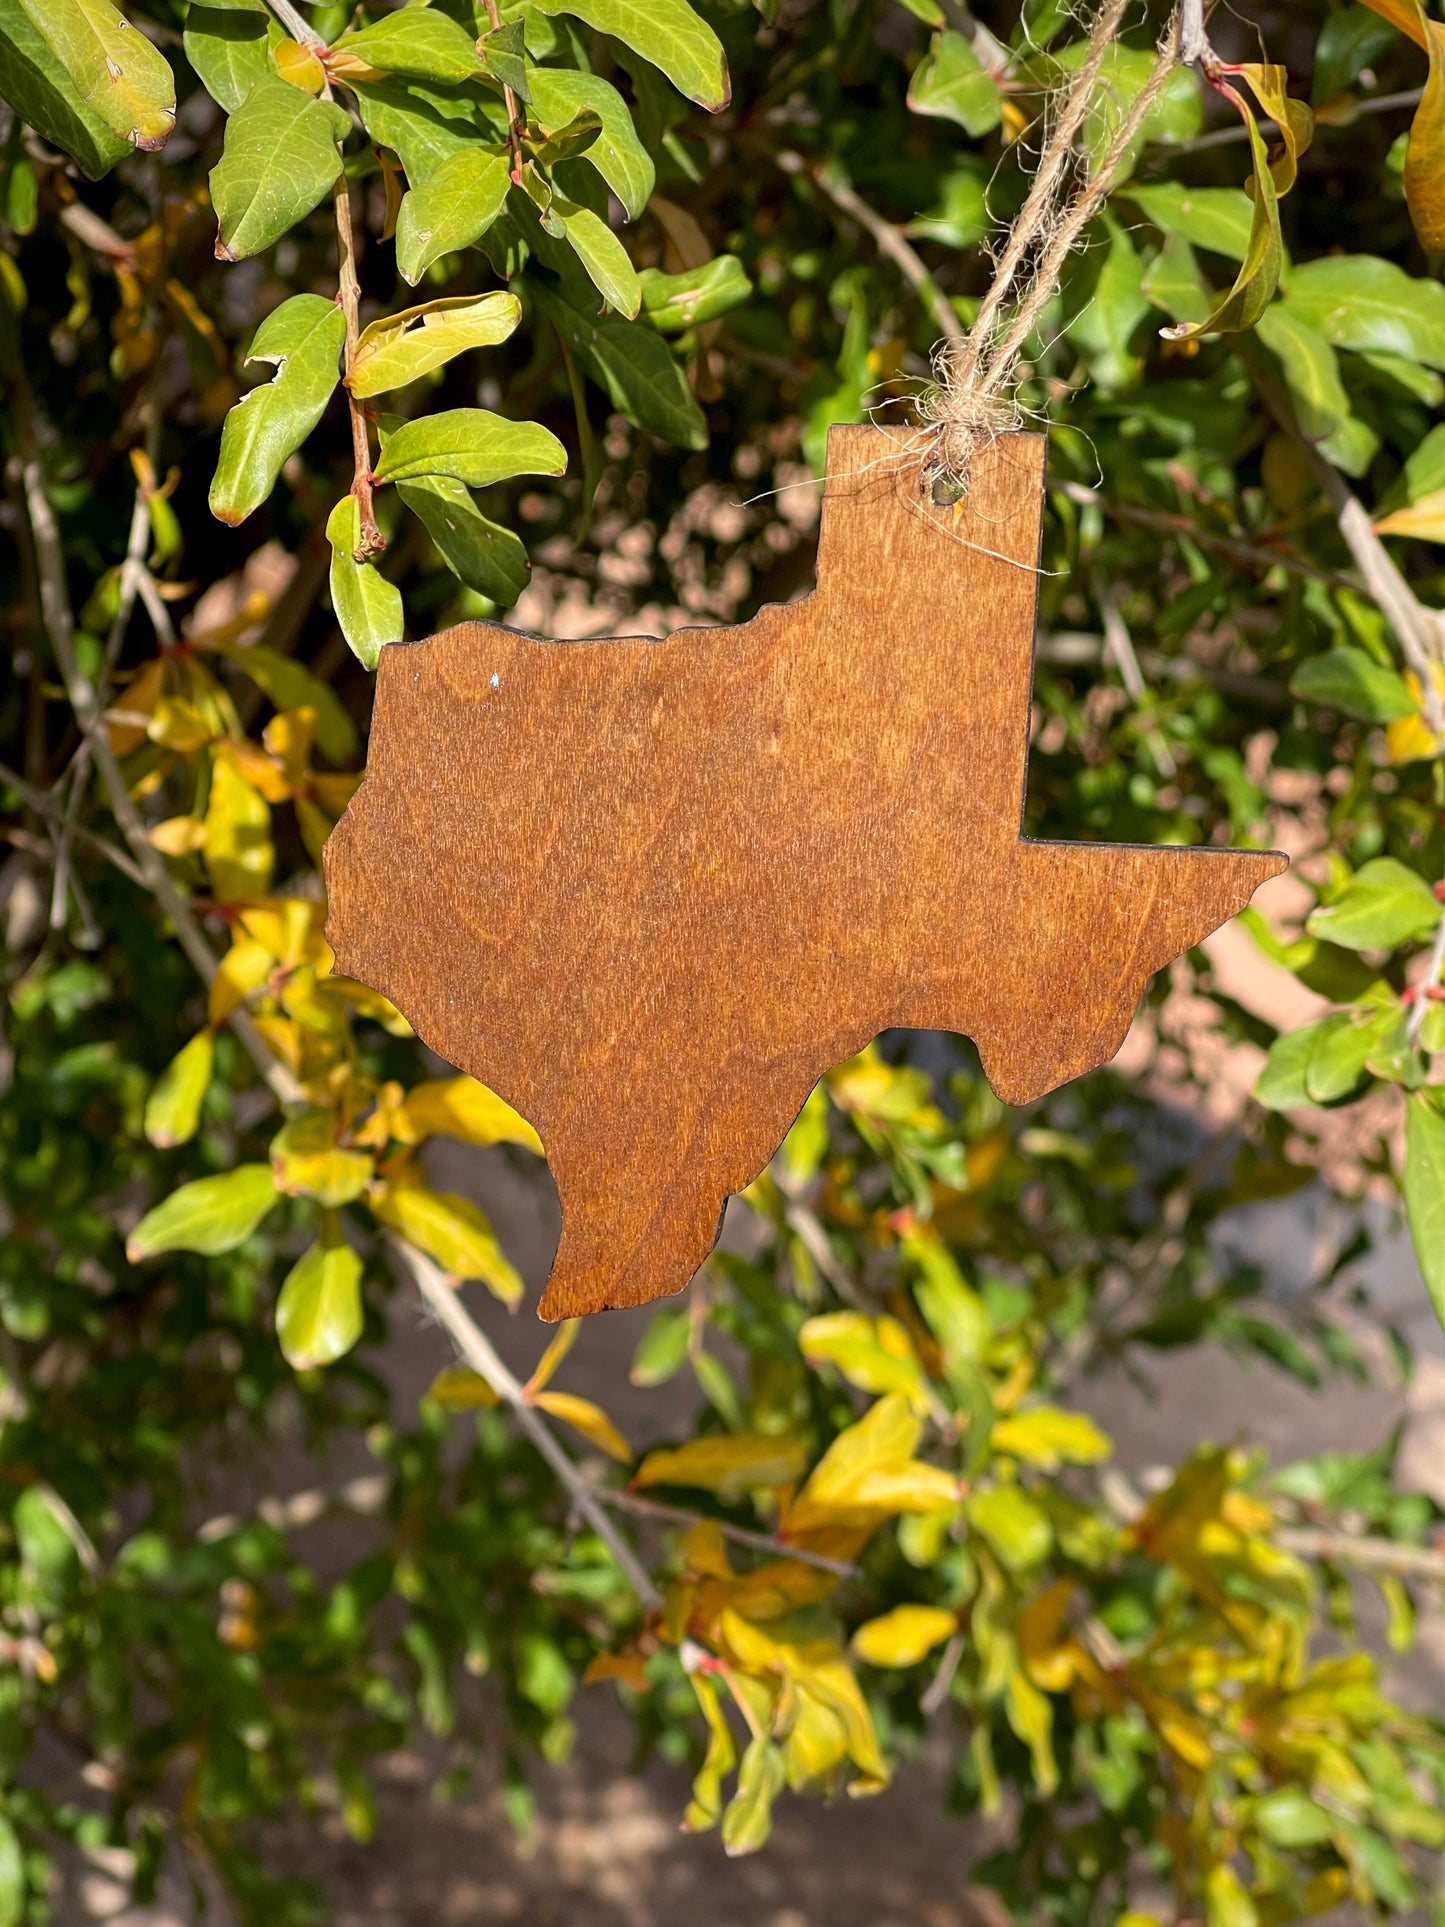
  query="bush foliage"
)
[{"x": 341, "y": 325}]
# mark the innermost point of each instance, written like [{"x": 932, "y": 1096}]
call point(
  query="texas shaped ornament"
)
[{"x": 649, "y": 892}]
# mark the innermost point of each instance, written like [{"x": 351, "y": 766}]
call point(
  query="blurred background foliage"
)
[{"x": 608, "y": 273}]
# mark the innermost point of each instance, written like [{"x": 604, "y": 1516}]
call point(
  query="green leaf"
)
[
  {"x": 210, "y": 1215},
  {"x": 1384, "y": 904},
  {"x": 319, "y": 1315},
  {"x": 42, "y": 93},
  {"x": 662, "y": 1349},
  {"x": 472, "y": 445},
  {"x": 1258, "y": 277},
  {"x": 421, "y": 42},
  {"x": 601, "y": 253},
  {"x": 304, "y": 338},
  {"x": 1337, "y": 1061},
  {"x": 1176, "y": 115},
  {"x": 1015, "y": 1525},
  {"x": 227, "y": 47},
  {"x": 503, "y": 52},
  {"x": 1424, "y": 1184},
  {"x": 401, "y": 347},
  {"x": 665, "y": 32},
  {"x": 1349, "y": 41},
  {"x": 279, "y": 160},
  {"x": 1312, "y": 374},
  {"x": 1282, "y": 1084},
  {"x": 291, "y": 685},
  {"x": 1105, "y": 326},
  {"x": 952, "y": 83},
  {"x": 673, "y": 303},
  {"x": 632, "y": 365},
  {"x": 748, "y": 1817},
  {"x": 367, "y": 606},
  {"x": 424, "y": 125},
  {"x": 1288, "y": 1817},
  {"x": 559, "y": 95},
  {"x": 1218, "y": 219},
  {"x": 1172, "y": 281},
  {"x": 488, "y": 558},
  {"x": 453, "y": 207},
  {"x": 1359, "y": 301},
  {"x": 173, "y": 1109},
  {"x": 12, "y": 1876},
  {"x": 115, "y": 70},
  {"x": 1353, "y": 682}
]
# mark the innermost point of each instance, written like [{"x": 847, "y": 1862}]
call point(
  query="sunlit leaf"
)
[
  {"x": 1350, "y": 680},
  {"x": 666, "y": 32},
  {"x": 279, "y": 159},
  {"x": 422, "y": 43},
  {"x": 1048, "y": 1437},
  {"x": 471, "y": 445},
  {"x": 114, "y": 69},
  {"x": 904, "y": 1636},
  {"x": 451, "y": 1230},
  {"x": 303, "y": 338},
  {"x": 587, "y": 1418},
  {"x": 173, "y": 1109},
  {"x": 952, "y": 83},
  {"x": 1424, "y": 1183},
  {"x": 36, "y": 84},
  {"x": 210, "y": 1215},
  {"x": 319, "y": 1314},
  {"x": 461, "y": 1107},
  {"x": 608, "y": 265},
  {"x": 673, "y": 303},
  {"x": 559, "y": 95},
  {"x": 239, "y": 853},
  {"x": 306, "y": 1160},
  {"x": 728, "y": 1466},
  {"x": 487, "y": 557},
  {"x": 450, "y": 209},
  {"x": 1384, "y": 904},
  {"x": 367, "y": 606},
  {"x": 399, "y": 348}
]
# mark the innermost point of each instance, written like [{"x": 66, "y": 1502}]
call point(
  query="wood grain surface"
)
[{"x": 650, "y": 891}]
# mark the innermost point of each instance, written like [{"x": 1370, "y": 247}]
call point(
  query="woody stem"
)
[
  {"x": 372, "y": 540},
  {"x": 514, "y": 119}
]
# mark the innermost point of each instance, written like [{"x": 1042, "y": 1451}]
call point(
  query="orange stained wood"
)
[{"x": 650, "y": 891}]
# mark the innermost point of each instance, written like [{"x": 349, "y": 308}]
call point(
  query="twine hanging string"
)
[{"x": 973, "y": 397}]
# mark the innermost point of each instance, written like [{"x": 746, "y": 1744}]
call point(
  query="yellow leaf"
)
[
  {"x": 630, "y": 1669},
  {"x": 461, "y": 1107},
  {"x": 729, "y": 1466},
  {"x": 902, "y": 1637},
  {"x": 816, "y": 1744},
  {"x": 178, "y": 835},
  {"x": 589, "y": 1419},
  {"x": 239, "y": 852},
  {"x": 1410, "y": 738},
  {"x": 257, "y": 768},
  {"x": 779, "y": 1587},
  {"x": 181, "y": 725},
  {"x": 705, "y": 1550},
  {"x": 1045, "y": 1436},
  {"x": 129, "y": 717},
  {"x": 1423, "y": 520},
  {"x": 459, "y": 1389},
  {"x": 1227, "y": 1903},
  {"x": 299, "y": 66},
  {"x": 875, "y": 1354},
  {"x": 241, "y": 972},
  {"x": 1031, "y": 1715},
  {"x": 451, "y": 1230},
  {"x": 1047, "y": 1647},
  {"x": 1425, "y": 155},
  {"x": 173, "y": 1109},
  {"x": 705, "y": 1808},
  {"x": 562, "y": 1342},
  {"x": 307, "y": 1161}
]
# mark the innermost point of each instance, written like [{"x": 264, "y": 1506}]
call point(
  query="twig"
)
[
  {"x": 1120, "y": 645},
  {"x": 1374, "y": 1555},
  {"x": 372, "y": 540},
  {"x": 744, "y": 1536},
  {"x": 476, "y": 1348},
  {"x": 935, "y": 1694},
  {"x": 1417, "y": 628},
  {"x": 514, "y": 119},
  {"x": 889, "y": 240},
  {"x": 44, "y": 804},
  {"x": 60, "y": 627},
  {"x": 1249, "y": 554},
  {"x": 1194, "y": 47},
  {"x": 299, "y": 29},
  {"x": 1237, "y": 131}
]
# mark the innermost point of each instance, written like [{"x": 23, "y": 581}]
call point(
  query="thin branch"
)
[
  {"x": 889, "y": 240},
  {"x": 44, "y": 804},
  {"x": 1373, "y": 1555},
  {"x": 477, "y": 1349},
  {"x": 743, "y": 1535},
  {"x": 1237, "y": 131},
  {"x": 1417, "y": 628},
  {"x": 60, "y": 627},
  {"x": 299, "y": 29},
  {"x": 372, "y": 540},
  {"x": 514, "y": 118}
]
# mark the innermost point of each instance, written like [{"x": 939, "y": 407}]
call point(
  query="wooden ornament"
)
[{"x": 649, "y": 892}]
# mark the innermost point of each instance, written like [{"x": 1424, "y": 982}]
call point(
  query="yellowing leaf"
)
[
  {"x": 459, "y": 1389},
  {"x": 401, "y": 347},
  {"x": 173, "y": 1109},
  {"x": 178, "y": 835},
  {"x": 461, "y": 1107},
  {"x": 116, "y": 71},
  {"x": 1031, "y": 1715},
  {"x": 242, "y": 971},
  {"x": 299, "y": 66},
  {"x": 319, "y": 1314},
  {"x": 705, "y": 1808},
  {"x": 563, "y": 1339},
  {"x": 239, "y": 852},
  {"x": 307, "y": 1161},
  {"x": 589, "y": 1419},
  {"x": 729, "y": 1466},
  {"x": 902, "y": 1637},
  {"x": 451, "y": 1230},
  {"x": 1226, "y": 1901},
  {"x": 875, "y": 1354},
  {"x": 128, "y": 718},
  {"x": 1046, "y": 1436},
  {"x": 1423, "y": 521},
  {"x": 1015, "y": 1525},
  {"x": 210, "y": 1215}
]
